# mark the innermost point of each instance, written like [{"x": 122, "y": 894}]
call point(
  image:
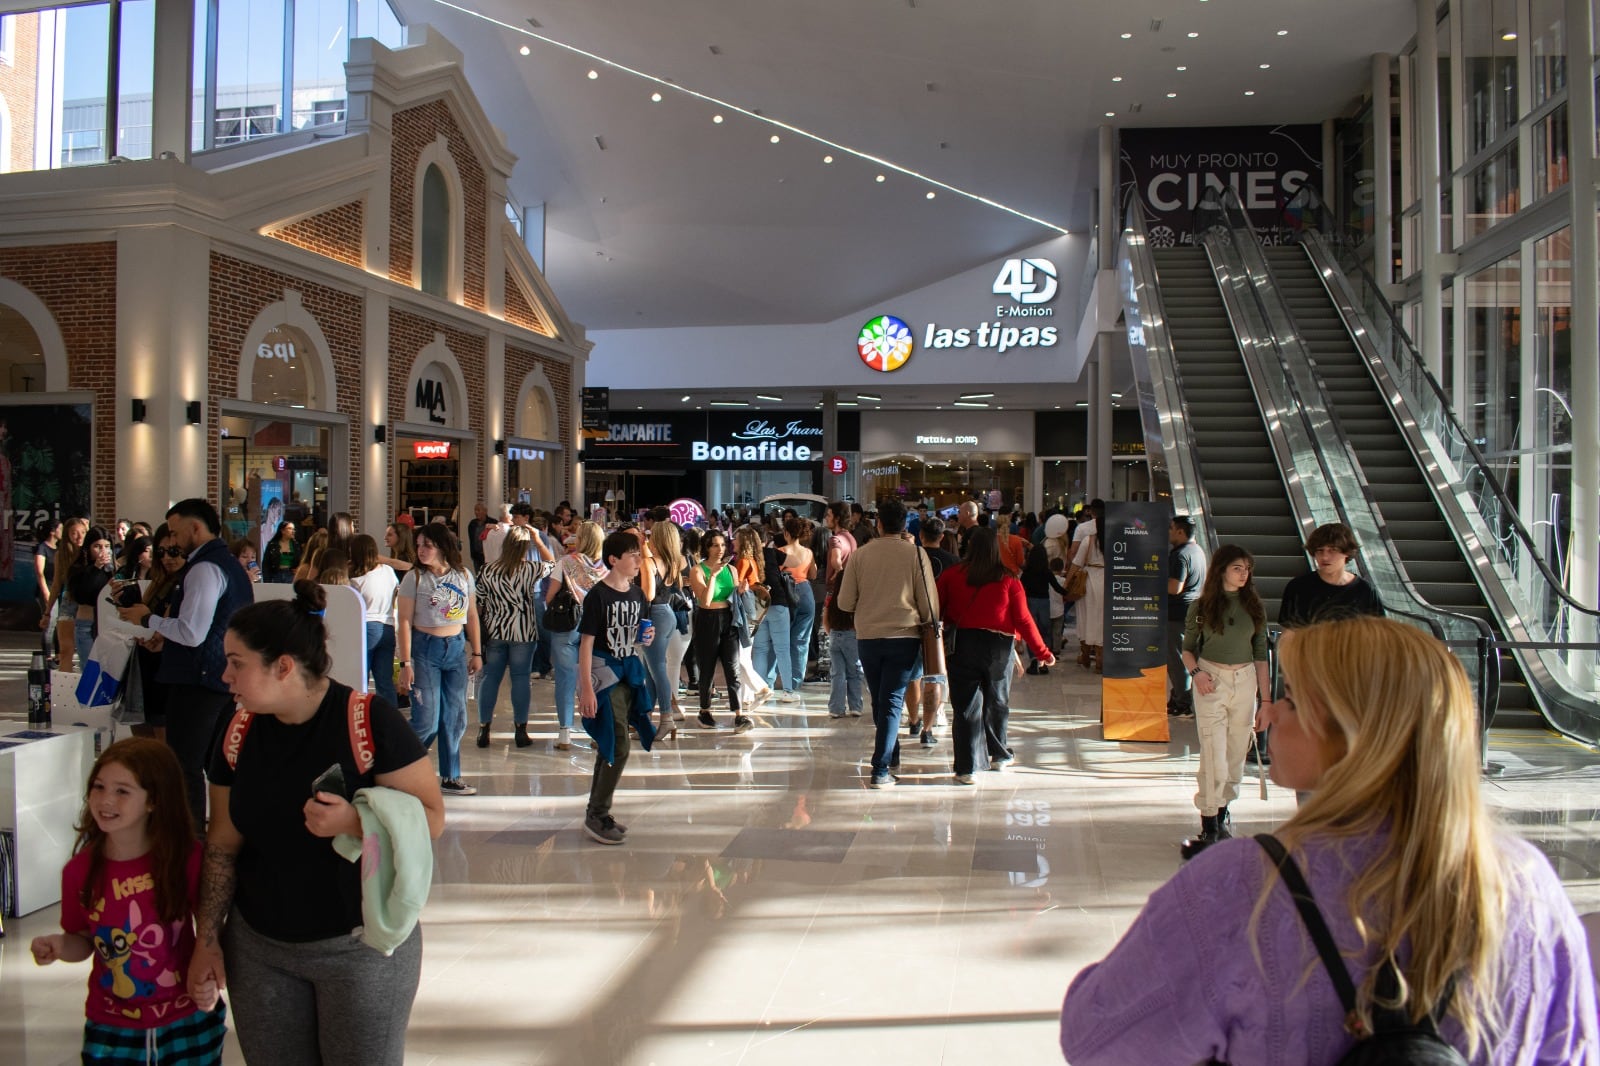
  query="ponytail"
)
[{"x": 275, "y": 628}]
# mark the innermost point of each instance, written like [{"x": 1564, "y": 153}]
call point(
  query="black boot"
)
[
  {"x": 1224, "y": 824},
  {"x": 523, "y": 739},
  {"x": 483, "y": 735},
  {"x": 1208, "y": 836}
]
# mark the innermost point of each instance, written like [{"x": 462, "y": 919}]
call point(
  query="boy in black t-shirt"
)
[{"x": 612, "y": 612}]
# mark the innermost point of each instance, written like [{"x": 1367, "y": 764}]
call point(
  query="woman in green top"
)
[
  {"x": 714, "y": 639},
  {"x": 282, "y": 555},
  {"x": 1225, "y": 651}
]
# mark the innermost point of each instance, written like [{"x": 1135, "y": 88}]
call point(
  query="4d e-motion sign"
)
[{"x": 1169, "y": 171}]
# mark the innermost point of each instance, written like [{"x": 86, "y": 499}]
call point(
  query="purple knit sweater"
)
[{"x": 1184, "y": 986}]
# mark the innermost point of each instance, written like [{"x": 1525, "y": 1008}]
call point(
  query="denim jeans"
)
[
  {"x": 380, "y": 660},
  {"x": 801, "y": 618},
  {"x": 498, "y": 655},
  {"x": 564, "y": 656},
  {"x": 844, "y": 672},
  {"x": 541, "y": 648},
  {"x": 889, "y": 664},
  {"x": 771, "y": 654},
  {"x": 655, "y": 657},
  {"x": 439, "y": 695},
  {"x": 1039, "y": 607},
  {"x": 83, "y": 637}
]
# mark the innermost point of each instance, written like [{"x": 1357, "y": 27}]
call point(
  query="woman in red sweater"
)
[{"x": 989, "y": 611}]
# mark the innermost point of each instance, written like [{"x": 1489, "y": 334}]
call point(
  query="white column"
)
[
  {"x": 1585, "y": 393},
  {"x": 173, "y": 90},
  {"x": 1430, "y": 333},
  {"x": 495, "y": 405},
  {"x": 376, "y": 459},
  {"x": 1100, "y": 446},
  {"x": 1383, "y": 171}
]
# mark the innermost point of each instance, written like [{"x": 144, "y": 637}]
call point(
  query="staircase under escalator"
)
[
  {"x": 1428, "y": 549},
  {"x": 1249, "y": 505}
]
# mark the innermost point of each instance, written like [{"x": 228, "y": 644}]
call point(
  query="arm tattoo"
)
[{"x": 218, "y": 872}]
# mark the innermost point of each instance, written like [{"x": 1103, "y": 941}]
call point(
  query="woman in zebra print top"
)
[{"x": 505, "y": 606}]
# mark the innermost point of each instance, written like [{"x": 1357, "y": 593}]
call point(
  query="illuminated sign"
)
[
  {"x": 283, "y": 351},
  {"x": 885, "y": 343},
  {"x": 761, "y": 429},
  {"x": 790, "y": 452},
  {"x": 686, "y": 512},
  {"x": 1028, "y": 282},
  {"x": 640, "y": 433},
  {"x": 431, "y": 449},
  {"x": 970, "y": 439},
  {"x": 514, "y": 453},
  {"x": 837, "y": 465}
]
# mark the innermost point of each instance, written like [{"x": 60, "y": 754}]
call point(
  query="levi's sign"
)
[{"x": 431, "y": 449}]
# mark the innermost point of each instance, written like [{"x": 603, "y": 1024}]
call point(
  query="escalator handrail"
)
[
  {"x": 1557, "y": 586},
  {"x": 1148, "y": 307}
]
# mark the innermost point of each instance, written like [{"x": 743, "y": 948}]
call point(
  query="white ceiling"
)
[
  {"x": 680, "y": 221},
  {"x": 1019, "y": 397}
]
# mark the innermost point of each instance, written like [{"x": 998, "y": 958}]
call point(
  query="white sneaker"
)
[
  {"x": 788, "y": 697},
  {"x": 564, "y": 740}
]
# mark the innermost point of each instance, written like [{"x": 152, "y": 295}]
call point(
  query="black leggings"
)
[{"x": 714, "y": 640}]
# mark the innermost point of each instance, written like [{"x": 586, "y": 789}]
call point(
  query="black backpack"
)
[{"x": 1394, "y": 1040}]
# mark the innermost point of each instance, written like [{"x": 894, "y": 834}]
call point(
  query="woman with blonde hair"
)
[
  {"x": 310, "y": 568},
  {"x": 1437, "y": 914},
  {"x": 577, "y": 573},
  {"x": 66, "y": 613},
  {"x": 672, "y": 594},
  {"x": 749, "y": 569}
]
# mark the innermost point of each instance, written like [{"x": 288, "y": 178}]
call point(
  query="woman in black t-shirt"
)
[{"x": 277, "y": 903}]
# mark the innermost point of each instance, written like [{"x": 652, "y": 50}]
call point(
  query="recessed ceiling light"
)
[
  {"x": 976, "y": 396},
  {"x": 655, "y": 98},
  {"x": 1171, "y": 95},
  {"x": 1111, "y": 114},
  {"x": 880, "y": 178},
  {"x": 1508, "y": 35},
  {"x": 827, "y": 159},
  {"x": 1193, "y": 34},
  {"x": 848, "y": 403},
  {"x": 729, "y": 403},
  {"x": 1127, "y": 36},
  {"x": 1283, "y": 33},
  {"x": 1183, "y": 68},
  {"x": 867, "y": 396},
  {"x": 1249, "y": 92},
  {"x": 774, "y": 399},
  {"x": 1266, "y": 66},
  {"x": 1116, "y": 395},
  {"x": 968, "y": 403},
  {"x": 1117, "y": 78},
  {"x": 593, "y": 74},
  {"x": 684, "y": 400},
  {"x": 931, "y": 194},
  {"x": 717, "y": 119},
  {"x": 774, "y": 138},
  {"x": 525, "y": 50},
  {"x": 1083, "y": 403}
]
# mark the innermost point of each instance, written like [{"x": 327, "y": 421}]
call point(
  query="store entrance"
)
[
  {"x": 946, "y": 481},
  {"x": 273, "y": 471},
  {"x": 428, "y": 482}
]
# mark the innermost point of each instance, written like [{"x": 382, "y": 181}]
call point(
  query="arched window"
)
[
  {"x": 435, "y": 237},
  {"x": 21, "y": 354},
  {"x": 282, "y": 371}
]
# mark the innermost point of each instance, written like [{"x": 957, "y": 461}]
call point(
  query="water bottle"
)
[{"x": 38, "y": 690}]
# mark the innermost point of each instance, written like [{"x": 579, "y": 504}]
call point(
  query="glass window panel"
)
[
  {"x": 136, "y": 78},
  {"x": 320, "y": 49},
  {"x": 1493, "y": 361},
  {"x": 435, "y": 237},
  {"x": 1492, "y": 192},
  {"x": 253, "y": 486},
  {"x": 1550, "y": 465},
  {"x": 84, "y": 42},
  {"x": 197, "y": 109},
  {"x": 1549, "y": 48},
  {"x": 1446, "y": 112},
  {"x": 249, "y": 70},
  {"x": 1489, "y": 104},
  {"x": 21, "y": 354},
  {"x": 1550, "y": 152}
]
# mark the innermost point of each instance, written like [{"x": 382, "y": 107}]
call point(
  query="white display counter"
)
[{"x": 41, "y": 795}]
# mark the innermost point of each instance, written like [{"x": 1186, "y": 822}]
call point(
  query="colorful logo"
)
[
  {"x": 885, "y": 343},
  {"x": 686, "y": 512}
]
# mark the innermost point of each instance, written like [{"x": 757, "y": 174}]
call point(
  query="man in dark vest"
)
[{"x": 211, "y": 586}]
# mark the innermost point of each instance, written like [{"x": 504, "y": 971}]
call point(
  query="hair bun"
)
[{"x": 310, "y": 597}]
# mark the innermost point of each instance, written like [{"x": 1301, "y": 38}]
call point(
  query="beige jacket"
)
[{"x": 881, "y": 585}]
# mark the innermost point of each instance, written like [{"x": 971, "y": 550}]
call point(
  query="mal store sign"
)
[{"x": 1022, "y": 289}]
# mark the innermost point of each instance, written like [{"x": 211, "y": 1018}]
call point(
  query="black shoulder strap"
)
[{"x": 1311, "y": 917}]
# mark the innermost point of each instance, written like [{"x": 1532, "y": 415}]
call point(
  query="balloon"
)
[{"x": 1056, "y": 526}]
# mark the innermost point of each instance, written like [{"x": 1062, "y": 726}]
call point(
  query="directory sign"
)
[{"x": 1134, "y": 685}]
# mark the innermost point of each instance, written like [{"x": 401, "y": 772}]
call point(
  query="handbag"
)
[
  {"x": 1076, "y": 584},
  {"x": 932, "y": 630},
  {"x": 564, "y": 612}
]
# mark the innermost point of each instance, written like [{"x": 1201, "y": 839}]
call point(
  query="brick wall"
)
[
  {"x": 519, "y": 364},
  {"x": 409, "y": 333},
  {"x": 77, "y": 283},
  {"x": 519, "y": 309},
  {"x": 338, "y": 234},
  {"x": 239, "y": 292},
  {"x": 414, "y": 129},
  {"x": 19, "y": 88}
]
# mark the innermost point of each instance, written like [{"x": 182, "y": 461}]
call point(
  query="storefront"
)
[
  {"x": 943, "y": 458},
  {"x": 720, "y": 458},
  {"x": 433, "y": 447},
  {"x": 283, "y": 448}
]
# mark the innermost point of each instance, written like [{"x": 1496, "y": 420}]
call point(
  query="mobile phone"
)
[{"x": 330, "y": 780}]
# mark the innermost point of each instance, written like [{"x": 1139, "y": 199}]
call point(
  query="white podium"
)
[{"x": 41, "y": 795}]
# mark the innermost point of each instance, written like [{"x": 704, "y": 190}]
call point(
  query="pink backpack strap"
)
[
  {"x": 233, "y": 737},
  {"x": 361, "y": 743}
]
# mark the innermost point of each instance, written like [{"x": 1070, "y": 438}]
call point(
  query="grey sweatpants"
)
[{"x": 335, "y": 1002}]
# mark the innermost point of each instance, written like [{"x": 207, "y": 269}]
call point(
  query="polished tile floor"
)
[{"x": 769, "y": 908}]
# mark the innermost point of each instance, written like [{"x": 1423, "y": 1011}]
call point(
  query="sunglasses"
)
[{"x": 171, "y": 553}]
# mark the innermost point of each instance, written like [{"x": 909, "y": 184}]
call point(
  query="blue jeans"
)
[
  {"x": 541, "y": 648},
  {"x": 1039, "y": 607},
  {"x": 889, "y": 664},
  {"x": 439, "y": 695},
  {"x": 83, "y": 637},
  {"x": 844, "y": 672},
  {"x": 497, "y": 656},
  {"x": 564, "y": 655},
  {"x": 380, "y": 660},
  {"x": 655, "y": 657},
  {"x": 801, "y": 617},
  {"x": 770, "y": 653}
]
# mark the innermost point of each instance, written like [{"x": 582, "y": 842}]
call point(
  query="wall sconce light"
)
[
  {"x": 499, "y": 447},
  {"x": 193, "y": 411},
  {"x": 138, "y": 410},
  {"x": 380, "y": 433}
]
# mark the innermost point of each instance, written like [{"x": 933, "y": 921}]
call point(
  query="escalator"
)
[{"x": 1247, "y": 499}]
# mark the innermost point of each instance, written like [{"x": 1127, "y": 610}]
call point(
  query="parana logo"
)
[{"x": 885, "y": 343}]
